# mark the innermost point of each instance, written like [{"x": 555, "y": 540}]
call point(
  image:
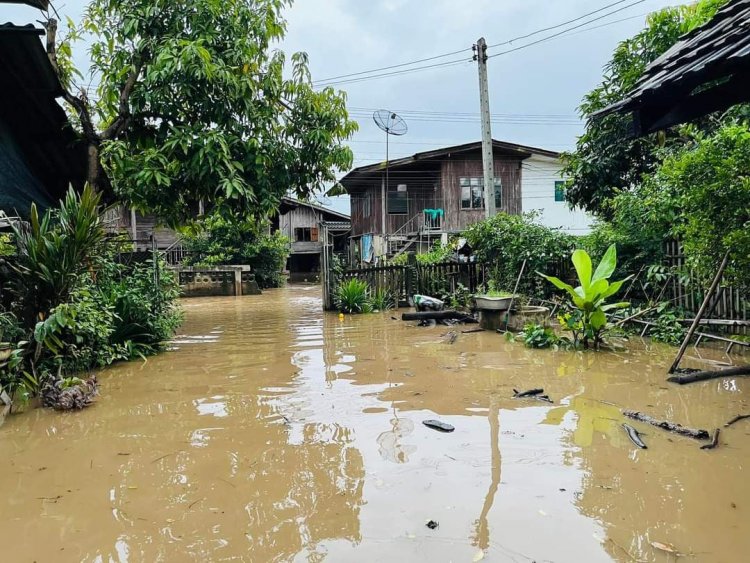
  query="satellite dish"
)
[{"x": 392, "y": 124}]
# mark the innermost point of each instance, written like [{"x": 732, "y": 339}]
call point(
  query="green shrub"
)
[
  {"x": 352, "y": 297},
  {"x": 504, "y": 241},
  {"x": 539, "y": 336},
  {"x": 72, "y": 306},
  {"x": 382, "y": 300},
  {"x": 226, "y": 239}
]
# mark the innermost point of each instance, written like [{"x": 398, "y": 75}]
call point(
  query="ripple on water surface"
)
[{"x": 275, "y": 432}]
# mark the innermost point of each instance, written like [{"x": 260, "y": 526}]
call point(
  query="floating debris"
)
[{"x": 439, "y": 426}]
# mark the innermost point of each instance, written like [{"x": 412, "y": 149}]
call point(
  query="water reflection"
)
[{"x": 277, "y": 433}]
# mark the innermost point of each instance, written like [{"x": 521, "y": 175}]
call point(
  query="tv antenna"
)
[{"x": 392, "y": 124}]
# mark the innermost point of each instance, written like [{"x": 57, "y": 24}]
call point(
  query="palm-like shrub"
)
[
  {"x": 352, "y": 297},
  {"x": 382, "y": 300},
  {"x": 54, "y": 249}
]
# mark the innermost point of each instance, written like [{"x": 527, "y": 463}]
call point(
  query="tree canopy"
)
[
  {"x": 607, "y": 160},
  {"x": 194, "y": 103}
]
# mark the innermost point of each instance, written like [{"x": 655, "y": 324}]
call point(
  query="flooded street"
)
[{"x": 275, "y": 432}]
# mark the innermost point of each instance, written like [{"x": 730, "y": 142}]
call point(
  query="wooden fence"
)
[
  {"x": 433, "y": 279},
  {"x": 729, "y": 307}
]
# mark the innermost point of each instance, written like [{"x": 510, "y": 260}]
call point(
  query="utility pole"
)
[{"x": 480, "y": 55}]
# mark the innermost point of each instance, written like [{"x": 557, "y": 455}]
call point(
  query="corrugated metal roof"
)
[
  {"x": 41, "y": 153},
  {"x": 500, "y": 147},
  {"x": 41, "y": 4},
  {"x": 707, "y": 70}
]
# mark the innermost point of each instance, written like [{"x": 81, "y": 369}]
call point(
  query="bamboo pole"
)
[{"x": 701, "y": 312}]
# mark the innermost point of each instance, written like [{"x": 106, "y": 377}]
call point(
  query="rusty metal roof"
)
[{"x": 707, "y": 70}]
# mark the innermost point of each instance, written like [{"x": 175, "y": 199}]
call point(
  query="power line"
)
[
  {"x": 395, "y": 73},
  {"x": 392, "y": 66},
  {"x": 567, "y": 31},
  {"x": 357, "y": 77},
  {"x": 538, "y": 31}
]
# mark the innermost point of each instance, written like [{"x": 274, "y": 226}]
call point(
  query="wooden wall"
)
[
  {"x": 507, "y": 169},
  {"x": 431, "y": 185},
  {"x": 423, "y": 192},
  {"x": 302, "y": 217}
]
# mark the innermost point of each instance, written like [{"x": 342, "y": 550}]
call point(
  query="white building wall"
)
[{"x": 538, "y": 179}]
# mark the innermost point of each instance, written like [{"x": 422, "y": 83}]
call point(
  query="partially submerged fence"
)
[
  {"x": 729, "y": 307},
  {"x": 405, "y": 281}
]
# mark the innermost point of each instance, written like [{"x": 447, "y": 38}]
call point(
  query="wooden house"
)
[
  {"x": 300, "y": 222},
  {"x": 433, "y": 194}
]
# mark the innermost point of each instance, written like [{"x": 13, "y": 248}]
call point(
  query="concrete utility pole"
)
[{"x": 480, "y": 55}]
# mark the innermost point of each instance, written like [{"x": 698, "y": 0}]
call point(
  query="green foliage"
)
[
  {"x": 667, "y": 327},
  {"x": 352, "y": 297},
  {"x": 703, "y": 192},
  {"x": 607, "y": 160},
  {"x": 55, "y": 249},
  {"x": 231, "y": 239},
  {"x": 588, "y": 299},
  {"x": 504, "y": 241},
  {"x": 460, "y": 298},
  {"x": 73, "y": 306},
  {"x": 195, "y": 102},
  {"x": 382, "y": 300},
  {"x": 7, "y": 247},
  {"x": 539, "y": 336}
]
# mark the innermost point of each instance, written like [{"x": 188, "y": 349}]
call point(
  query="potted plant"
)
[{"x": 493, "y": 299}]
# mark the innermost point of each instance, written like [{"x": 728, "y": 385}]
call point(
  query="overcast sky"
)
[{"x": 549, "y": 79}]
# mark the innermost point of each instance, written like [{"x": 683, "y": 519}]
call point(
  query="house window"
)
[
  {"x": 306, "y": 234},
  {"x": 560, "y": 190},
  {"x": 398, "y": 204},
  {"x": 472, "y": 193}
]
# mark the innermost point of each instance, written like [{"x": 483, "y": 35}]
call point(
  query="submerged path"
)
[{"x": 275, "y": 432}]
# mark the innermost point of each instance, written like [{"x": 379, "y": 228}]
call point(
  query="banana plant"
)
[{"x": 589, "y": 298}]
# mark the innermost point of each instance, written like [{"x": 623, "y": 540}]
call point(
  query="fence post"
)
[
  {"x": 700, "y": 313},
  {"x": 410, "y": 271}
]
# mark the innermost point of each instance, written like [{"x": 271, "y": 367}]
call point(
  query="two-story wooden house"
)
[{"x": 433, "y": 194}]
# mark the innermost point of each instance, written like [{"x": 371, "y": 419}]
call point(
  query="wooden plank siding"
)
[
  {"x": 508, "y": 170},
  {"x": 431, "y": 185}
]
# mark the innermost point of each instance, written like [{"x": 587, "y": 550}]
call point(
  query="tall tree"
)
[
  {"x": 193, "y": 103},
  {"x": 607, "y": 160}
]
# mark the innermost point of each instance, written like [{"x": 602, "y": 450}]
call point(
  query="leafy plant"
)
[
  {"x": 589, "y": 318},
  {"x": 195, "y": 102},
  {"x": 55, "y": 249},
  {"x": 382, "y": 300},
  {"x": 352, "y": 297},
  {"x": 228, "y": 238},
  {"x": 504, "y": 241},
  {"x": 539, "y": 336},
  {"x": 667, "y": 327}
]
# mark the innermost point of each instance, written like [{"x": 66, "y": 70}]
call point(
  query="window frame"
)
[{"x": 473, "y": 183}]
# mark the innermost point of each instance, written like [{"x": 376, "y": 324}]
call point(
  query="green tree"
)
[
  {"x": 193, "y": 104},
  {"x": 224, "y": 237},
  {"x": 608, "y": 160},
  {"x": 703, "y": 192}
]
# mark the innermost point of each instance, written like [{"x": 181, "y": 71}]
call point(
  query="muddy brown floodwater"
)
[{"x": 275, "y": 432}]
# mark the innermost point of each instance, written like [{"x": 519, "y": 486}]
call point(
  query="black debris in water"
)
[
  {"x": 432, "y": 524},
  {"x": 439, "y": 426}
]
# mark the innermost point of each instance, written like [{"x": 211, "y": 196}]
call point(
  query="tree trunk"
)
[{"x": 92, "y": 165}]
